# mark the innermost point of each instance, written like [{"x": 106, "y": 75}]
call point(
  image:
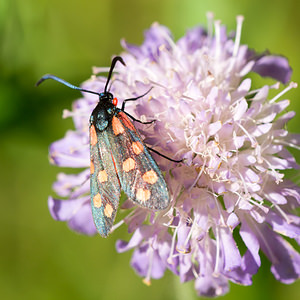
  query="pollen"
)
[
  {"x": 102, "y": 176},
  {"x": 183, "y": 250},
  {"x": 128, "y": 164},
  {"x": 150, "y": 177},
  {"x": 117, "y": 126},
  {"x": 108, "y": 210},
  {"x": 143, "y": 195},
  {"x": 147, "y": 281},
  {"x": 93, "y": 135},
  {"x": 137, "y": 147},
  {"x": 97, "y": 201}
]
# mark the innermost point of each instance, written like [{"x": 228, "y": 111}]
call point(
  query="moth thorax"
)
[{"x": 101, "y": 119}]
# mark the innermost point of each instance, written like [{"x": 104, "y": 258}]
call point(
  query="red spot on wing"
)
[
  {"x": 92, "y": 167},
  {"x": 137, "y": 147},
  {"x": 128, "y": 164},
  {"x": 143, "y": 194},
  {"x": 117, "y": 126},
  {"x": 150, "y": 177},
  {"x": 102, "y": 176},
  {"x": 108, "y": 210},
  {"x": 122, "y": 116},
  {"x": 93, "y": 135},
  {"x": 97, "y": 201}
]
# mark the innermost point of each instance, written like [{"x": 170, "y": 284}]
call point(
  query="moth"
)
[{"x": 119, "y": 159}]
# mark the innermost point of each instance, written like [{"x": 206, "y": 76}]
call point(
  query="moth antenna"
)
[
  {"x": 113, "y": 63},
  {"x": 49, "y": 76}
]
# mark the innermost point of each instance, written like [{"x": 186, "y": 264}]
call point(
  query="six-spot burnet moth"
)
[{"x": 119, "y": 159}]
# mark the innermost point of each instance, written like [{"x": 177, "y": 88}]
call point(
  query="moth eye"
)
[{"x": 115, "y": 102}]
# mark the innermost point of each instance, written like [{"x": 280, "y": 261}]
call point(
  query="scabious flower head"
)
[{"x": 233, "y": 140}]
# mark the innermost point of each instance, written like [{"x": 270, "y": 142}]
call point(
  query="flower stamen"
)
[{"x": 292, "y": 85}]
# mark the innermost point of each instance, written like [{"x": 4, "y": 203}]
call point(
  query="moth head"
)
[{"x": 106, "y": 96}]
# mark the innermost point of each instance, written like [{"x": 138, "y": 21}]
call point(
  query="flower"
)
[{"x": 233, "y": 141}]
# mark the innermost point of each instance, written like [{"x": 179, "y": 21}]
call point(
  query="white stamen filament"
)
[
  {"x": 284, "y": 215},
  {"x": 147, "y": 279},
  {"x": 282, "y": 142},
  {"x": 172, "y": 248},
  {"x": 252, "y": 140},
  {"x": 189, "y": 234},
  {"x": 216, "y": 269},
  {"x": 115, "y": 226},
  {"x": 237, "y": 41},
  {"x": 292, "y": 85},
  {"x": 244, "y": 183},
  {"x": 192, "y": 142},
  {"x": 222, "y": 222},
  {"x": 195, "y": 271},
  {"x": 134, "y": 212},
  {"x": 218, "y": 39},
  {"x": 273, "y": 171},
  {"x": 259, "y": 205},
  {"x": 198, "y": 176},
  {"x": 210, "y": 24},
  {"x": 239, "y": 198},
  {"x": 236, "y": 44}
]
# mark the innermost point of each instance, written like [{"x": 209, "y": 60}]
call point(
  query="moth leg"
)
[
  {"x": 139, "y": 121},
  {"x": 164, "y": 156},
  {"x": 134, "y": 99}
]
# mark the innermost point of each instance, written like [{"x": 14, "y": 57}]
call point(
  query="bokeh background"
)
[{"x": 41, "y": 258}]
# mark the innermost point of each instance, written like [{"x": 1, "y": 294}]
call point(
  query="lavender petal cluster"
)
[{"x": 229, "y": 198}]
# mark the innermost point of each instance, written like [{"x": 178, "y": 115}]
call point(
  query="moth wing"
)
[
  {"x": 140, "y": 177},
  {"x": 105, "y": 184}
]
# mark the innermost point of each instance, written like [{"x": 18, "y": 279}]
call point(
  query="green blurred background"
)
[{"x": 41, "y": 258}]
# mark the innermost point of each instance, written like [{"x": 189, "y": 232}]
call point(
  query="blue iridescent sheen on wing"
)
[{"x": 105, "y": 186}]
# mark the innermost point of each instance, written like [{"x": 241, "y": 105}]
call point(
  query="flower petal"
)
[
  {"x": 77, "y": 212},
  {"x": 210, "y": 286},
  {"x": 285, "y": 260},
  {"x": 71, "y": 151},
  {"x": 273, "y": 66}
]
